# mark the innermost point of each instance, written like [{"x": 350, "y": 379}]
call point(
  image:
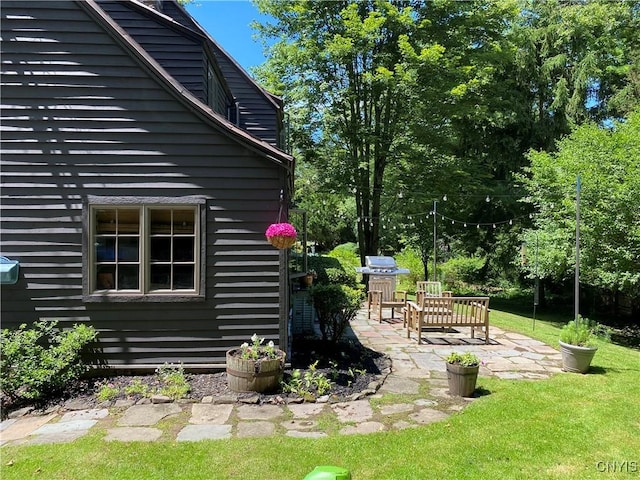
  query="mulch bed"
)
[{"x": 350, "y": 366}]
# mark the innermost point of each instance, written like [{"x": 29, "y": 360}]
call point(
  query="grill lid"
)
[{"x": 381, "y": 264}]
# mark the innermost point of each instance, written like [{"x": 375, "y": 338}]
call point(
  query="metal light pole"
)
[
  {"x": 435, "y": 212},
  {"x": 577, "y": 279},
  {"x": 536, "y": 286}
]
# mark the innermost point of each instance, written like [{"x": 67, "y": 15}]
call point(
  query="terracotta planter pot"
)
[
  {"x": 462, "y": 380},
  {"x": 247, "y": 375},
  {"x": 576, "y": 359}
]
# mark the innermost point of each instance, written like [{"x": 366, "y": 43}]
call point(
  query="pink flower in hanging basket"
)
[
  {"x": 281, "y": 230},
  {"x": 281, "y": 235}
]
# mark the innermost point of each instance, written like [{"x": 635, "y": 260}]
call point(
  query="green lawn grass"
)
[{"x": 570, "y": 426}]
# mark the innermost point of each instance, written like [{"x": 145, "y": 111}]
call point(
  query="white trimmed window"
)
[{"x": 144, "y": 249}]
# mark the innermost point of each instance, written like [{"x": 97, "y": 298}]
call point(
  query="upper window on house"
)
[
  {"x": 215, "y": 96},
  {"x": 144, "y": 249}
]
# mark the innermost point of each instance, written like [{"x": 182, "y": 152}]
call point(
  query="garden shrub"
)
[
  {"x": 336, "y": 306},
  {"x": 348, "y": 256},
  {"x": 330, "y": 271},
  {"x": 42, "y": 359},
  {"x": 409, "y": 258},
  {"x": 463, "y": 270},
  {"x": 338, "y": 276}
]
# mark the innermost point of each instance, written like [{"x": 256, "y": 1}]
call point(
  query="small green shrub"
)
[
  {"x": 40, "y": 360},
  {"x": 310, "y": 384},
  {"x": 137, "y": 387},
  {"x": 107, "y": 392},
  {"x": 173, "y": 380},
  {"x": 336, "y": 306}
]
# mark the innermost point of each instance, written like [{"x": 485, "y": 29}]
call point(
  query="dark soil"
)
[{"x": 349, "y": 366}]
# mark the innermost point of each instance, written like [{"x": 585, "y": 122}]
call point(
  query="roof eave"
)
[{"x": 181, "y": 92}]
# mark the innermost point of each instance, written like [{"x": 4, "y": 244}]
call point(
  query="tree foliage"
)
[
  {"x": 608, "y": 163},
  {"x": 396, "y": 103}
]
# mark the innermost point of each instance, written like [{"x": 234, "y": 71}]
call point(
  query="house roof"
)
[{"x": 180, "y": 91}]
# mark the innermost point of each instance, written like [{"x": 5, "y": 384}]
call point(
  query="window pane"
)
[
  {"x": 128, "y": 249},
  {"x": 105, "y": 249},
  {"x": 183, "y": 249},
  {"x": 128, "y": 221},
  {"x": 105, "y": 277},
  {"x": 105, "y": 221},
  {"x": 160, "y": 249},
  {"x": 128, "y": 277},
  {"x": 160, "y": 221},
  {"x": 183, "y": 277},
  {"x": 160, "y": 277},
  {"x": 183, "y": 221}
]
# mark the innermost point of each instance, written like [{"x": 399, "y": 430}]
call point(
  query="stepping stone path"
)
[{"x": 418, "y": 378}]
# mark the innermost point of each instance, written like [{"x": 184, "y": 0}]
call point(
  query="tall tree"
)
[{"x": 341, "y": 68}]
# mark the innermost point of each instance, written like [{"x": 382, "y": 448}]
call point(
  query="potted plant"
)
[
  {"x": 255, "y": 367},
  {"x": 281, "y": 235},
  {"x": 462, "y": 373},
  {"x": 578, "y": 344}
]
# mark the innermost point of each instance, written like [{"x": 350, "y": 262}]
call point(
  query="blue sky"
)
[{"x": 227, "y": 21}]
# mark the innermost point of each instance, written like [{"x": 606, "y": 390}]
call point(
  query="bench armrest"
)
[{"x": 374, "y": 296}]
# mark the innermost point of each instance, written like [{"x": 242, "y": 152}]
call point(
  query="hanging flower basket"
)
[{"x": 281, "y": 235}]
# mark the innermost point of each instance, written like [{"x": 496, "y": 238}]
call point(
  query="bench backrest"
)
[
  {"x": 456, "y": 309},
  {"x": 429, "y": 289},
  {"x": 384, "y": 286}
]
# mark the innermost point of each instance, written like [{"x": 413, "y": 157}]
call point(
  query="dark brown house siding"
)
[
  {"x": 180, "y": 51},
  {"x": 83, "y": 116},
  {"x": 258, "y": 113}
]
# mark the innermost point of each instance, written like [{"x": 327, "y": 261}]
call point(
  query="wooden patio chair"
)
[
  {"x": 383, "y": 295},
  {"x": 428, "y": 289}
]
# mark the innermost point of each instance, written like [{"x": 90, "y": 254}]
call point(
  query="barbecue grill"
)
[{"x": 381, "y": 267}]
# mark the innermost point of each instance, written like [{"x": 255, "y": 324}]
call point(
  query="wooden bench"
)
[
  {"x": 382, "y": 295},
  {"x": 447, "y": 312}
]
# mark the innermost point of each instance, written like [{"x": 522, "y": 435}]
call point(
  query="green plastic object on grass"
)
[{"x": 328, "y": 472}]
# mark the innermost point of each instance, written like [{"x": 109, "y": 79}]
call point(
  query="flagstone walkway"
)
[{"x": 418, "y": 374}]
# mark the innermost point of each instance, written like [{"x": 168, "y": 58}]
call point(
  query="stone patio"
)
[{"x": 415, "y": 368}]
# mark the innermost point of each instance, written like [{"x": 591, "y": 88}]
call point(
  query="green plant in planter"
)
[
  {"x": 256, "y": 351},
  {"x": 578, "y": 344},
  {"x": 462, "y": 373},
  {"x": 582, "y": 332},
  {"x": 467, "y": 359}
]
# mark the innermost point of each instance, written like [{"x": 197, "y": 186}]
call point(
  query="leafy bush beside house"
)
[
  {"x": 336, "y": 306},
  {"x": 39, "y": 360}
]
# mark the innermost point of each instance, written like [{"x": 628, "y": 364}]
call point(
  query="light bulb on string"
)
[
  {"x": 487, "y": 199},
  {"x": 444, "y": 197}
]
